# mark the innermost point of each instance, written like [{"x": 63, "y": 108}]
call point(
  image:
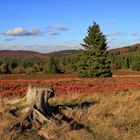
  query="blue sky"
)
[{"x": 52, "y": 25}]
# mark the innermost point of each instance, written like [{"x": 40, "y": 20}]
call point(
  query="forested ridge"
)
[
  {"x": 29, "y": 62},
  {"x": 127, "y": 57}
]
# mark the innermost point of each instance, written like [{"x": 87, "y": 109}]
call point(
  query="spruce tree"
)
[
  {"x": 5, "y": 68},
  {"x": 52, "y": 67},
  {"x": 94, "y": 60}
]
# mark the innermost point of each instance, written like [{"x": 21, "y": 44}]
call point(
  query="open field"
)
[
  {"x": 94, "y": 109},
  {"x": 92, "y": 117}
]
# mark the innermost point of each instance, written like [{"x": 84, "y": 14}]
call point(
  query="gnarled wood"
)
[{"x": 37, "y": 100}]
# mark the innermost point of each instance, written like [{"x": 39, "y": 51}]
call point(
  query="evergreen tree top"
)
[
  {"x": 94, "y": 38},
  {"x": 94, "y": 60}
]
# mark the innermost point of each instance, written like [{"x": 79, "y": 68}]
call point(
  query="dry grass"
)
[
  {"x": 125, "y": 73},
  {"x": 113, "y": 116},
  {"x": 110, "y": 116}
]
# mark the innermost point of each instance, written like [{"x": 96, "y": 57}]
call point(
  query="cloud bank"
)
[
  {"x": 134, "y": 34},
  {"x": 55, "y": 30},
  {"x": 53, "y": 33},
  {"x": 58, "y": 27},
  {"x": 51, "y": 30},
  {"x": 116, "y": 33},
  {"x": 18, "y": 31},
  {"x": 8, "y": 39}
]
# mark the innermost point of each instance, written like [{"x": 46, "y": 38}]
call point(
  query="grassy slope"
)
[{"x": 103, "y": 117}]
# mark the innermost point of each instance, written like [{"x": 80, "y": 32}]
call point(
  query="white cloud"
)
[
  {"x": 61, "y": 27},
  {"x": 57, "y": 27},
  {"x": 116, "y": 33},
  {"x": 134, "y": 34},
  {"x": 18, "y": 31},
  {"x": 113, "y": 20},
  {"x": 74, "y": 46},
  {"x": 53, "y": 33},
  {"x": 8, "y": 39},
  {"x": 137, "y": 40}
]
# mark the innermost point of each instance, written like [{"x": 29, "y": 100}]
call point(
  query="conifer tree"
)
[
  {"x": 5, "y": 68},
  {"x": 94, "y": 60},
  {"x": 52, "y": 67}
]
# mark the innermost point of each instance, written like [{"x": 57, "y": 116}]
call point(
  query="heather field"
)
[
  {"x": 67, "y": 86},
  {"x": 94, "y": 109}
]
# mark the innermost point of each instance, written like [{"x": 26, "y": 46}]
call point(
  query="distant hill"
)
[
  {"x": 20, "y": 54},
  {"x": 132, "y": 48},
  {"x": 64, "y": 53},
  {"x": 126, "y": 58}
]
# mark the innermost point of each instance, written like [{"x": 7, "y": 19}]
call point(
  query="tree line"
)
[
  {"x": 94, "y": 60},
  {"x": 32, "y": 66},
  {"x": 129, "y": 60}
]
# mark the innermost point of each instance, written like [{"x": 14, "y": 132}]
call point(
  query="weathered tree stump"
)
[{"x": 37, "y": 100}]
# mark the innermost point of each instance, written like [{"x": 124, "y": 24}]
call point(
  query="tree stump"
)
[{"x": 37, "y": 99}]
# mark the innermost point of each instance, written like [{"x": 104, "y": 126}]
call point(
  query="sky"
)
[{"x": 53, "y": 25}]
